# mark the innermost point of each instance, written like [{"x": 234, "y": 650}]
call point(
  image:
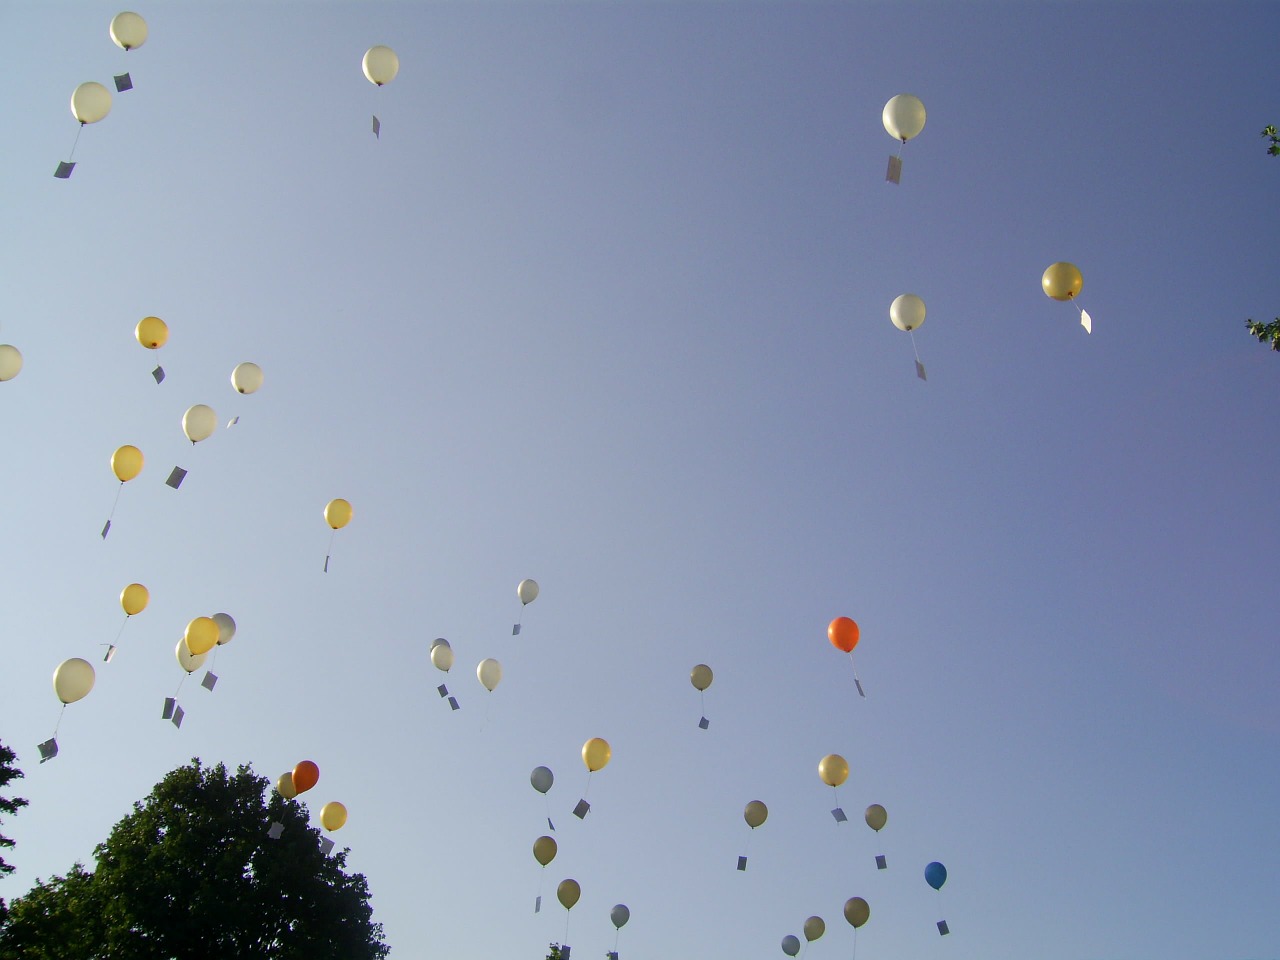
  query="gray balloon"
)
[
  {"x": 620, "y": 915},
  {"x": 541, "y": 778},
  {"x": 790, "y": 945}
]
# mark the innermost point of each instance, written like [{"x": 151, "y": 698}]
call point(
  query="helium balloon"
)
[
  {"x": 442, "y": 655},
  {"x": 73, "y": 680},
  {"x": 903, "y": 117},
  {"x": 134, "y": 599},
  {"x": 935, "y": 875},
  {"x": 568, "y": 893},
  {"x": 544, "y": 850},
  {"x": 790, "y": 945},
  {"x": 856, "y": 911},
  {"x": 843, "y": 634},
  {"x": 596, "y": 753},
  {"x": 333, "y": 815},
  {"x": 128, "y": 30},
  {"x": 620, "y": 915},
  {"x": 380, "y": 65},
  {"x": 1062, "y": 281},
  {"x": 305, "y": 776},
  {"x": 755, "y": 814},
  {"x": 126, "y": 463},
  {"x": 489, "y": 673},
  {"x": 700, "y": 676},
  {"x": 542, "y": 778},
  {"x": 201, "y": 635},
  {"x": 189, "y": 661},
  {"x": 337, "y": 513},
  {"x": 90, "y": 102},
  {"x": 226, "y": 627},
  {"x": 907, "y": 312},
  {"x": 10, "y": 361},
  {"x": 833, "y": 769},
  {"x": 198, "y": 422},
  {"x": 814, "y": 928},
  {"x": 527, "y": 591},
  {"x": 876, "y": 817},
  {"x": 246, "y": 377},
  {"x": 285, "y": 787},
  {"x": 152, "y": 332}
]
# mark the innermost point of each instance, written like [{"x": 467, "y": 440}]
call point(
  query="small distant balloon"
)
[
  {"x": 285, "y": 787},
  {"x": 337, "y": 513},
  {"x": 856, "y": 911},
  {"x": 620, "y": 915},
  {"x": 246, "y": 377},
  {"x": 935, "y": 875},
  {"x": 226, "y": 627},
  {"x": 903, "y": 117},
  {"x": 198, "y": 422},
  {"x": 544, "y": 850},
  {"x": 527, "y": 591},
  {"x": 542, "y": 778},
  {"x": 790, "y": 945},
  {"x": 700, "y": 676},
  {"x": 442, "y": 655},
  {"x": 489, "y": 673},
  {"x": 10, "y": 361},
  {"x": 152, "y": 332},
  {"x": 568, "y": 893},
  {"x": 73, "y": 679},
  {"x": 126, "y": 462},
  {"x": 333, "y": 815},
  {"x": 90, "y": 102},
  {"x": 128, "y": 30},
  {"x": 596, "y": 754},
  {"x": 814, "y": 928},
  {"x": 907, "y": 312},
  {"x": 876, "y": 817},
  {"x": 755, "y": 813},
  {"x": 1062, "y": 281},
  {"x": 380, "y": 65},
  {"x": 833, "y": 769},
  {"x": 133, "y": 599},
  {"x": 843, "y": 634}
]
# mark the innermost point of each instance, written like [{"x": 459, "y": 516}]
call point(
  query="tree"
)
[
  {"x": 1268, "y": 332},
  {"x": 8, "y": 806},
  {"x": 1269, "y": 133},
  {"x": 193, "y": 872}
]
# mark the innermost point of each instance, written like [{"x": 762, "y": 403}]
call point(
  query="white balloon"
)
[
  {"x": 442, "y": 655},
  {"x": 90, "y": 102},
  {"x": 199, "y": 422},
  {"x": 189, "y": 661},
  {"x": 380, "y": 65},
  {"x": 128, "y": 30},
  {"x": 903, "y": 117},
  {"x": 489, "y": 672},
  {"x": 527, "y": 591},
  {"x": 73, "y": 680},
  {"x": 907, "y": 312},
  {"x": 10, "y": 361},
  {"x": 246, "y": 377},
  {"x": 226, "y": 627}
]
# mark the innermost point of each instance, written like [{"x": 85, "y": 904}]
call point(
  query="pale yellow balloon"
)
[
  {"x": 199, "y": 422},
  {"x": 527, "y": 591},
  {"x": 700, "y": 676},
  {"x": 285, "y": 787},
  {"x": 90, "y": 102},
  {"x": 544, "y": 850},
  {"x": 73, "y": 679},
  {"x": 201, "y": 635},
  {"x": 442, "y": 655},
  {"x": 755, "y": 813},
  {"x": 568, "y": 893},
  {"x": 857, "y": 911},
  {"x": 134, "y": 599},
  {"x": 1062, "y": 281},
  {"x": 596, "y": 754},
  {"x": 128, "y": 30},
  {"x": 833, "y": 769},
  {"x": 152, "y": 332},
  {"x": 246, "y": 377},
  {"x": 189, "y": 661},
  {"x": 126, "y": 462},
  {"x": 814, "y": 928},
  {"x": 10, "y": 361},
  {"x": 903, "y": 117},
  {"x": 907, "y": 312},
  {"x": 338, "y": 513},
  {"x": 226, "y": 627},
  {"x": 333, "y": 815},
  {"x": 380, "y": 65},
  {"x": 489, "y": 673},
  {"x": 876, "y": 817}
]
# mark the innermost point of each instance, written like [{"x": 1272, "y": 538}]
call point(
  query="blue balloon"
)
[{"x": 935, "y": 875}]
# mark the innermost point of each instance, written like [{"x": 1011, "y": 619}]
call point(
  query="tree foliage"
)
[
  {"x": 1266, "y": 332},
  {"x": 8, "y": 805},
  {"x": 193, "y": 872},
  {"x": 1269, "y": 133}
]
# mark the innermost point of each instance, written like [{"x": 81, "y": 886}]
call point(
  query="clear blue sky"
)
[{"x": 607, "y": 306}]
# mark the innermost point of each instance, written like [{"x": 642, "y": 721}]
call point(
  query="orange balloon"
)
[
  {"x": 305, "y": 776},
  {"x": 843, "y": 634}
]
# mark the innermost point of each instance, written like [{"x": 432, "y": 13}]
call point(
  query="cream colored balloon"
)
[
  {"x": 128, "y": 30},
  {"x": 489, "y": 673},
  {"x": 226, "y": 627},
  {"x": 285, "y": 787},
  {"x": 903, "y": 117},
  {"x": 198, "y": 422},
  {"x": 10, "y": 361},
  {"x": 73, "y": 679},
  {"x": 189, "y": 661},
  {"x": 246, "y": 377},
  {"x": 527, "y": 591},
  {"x": 380, "y": 65},
  {"x": 700, "y": 676},
  {"x": 833, "y": 769},
  {"x": 442, "y": 655},
  {"x": 907, "y": 312},
  {"x": 90, "y": 102}
]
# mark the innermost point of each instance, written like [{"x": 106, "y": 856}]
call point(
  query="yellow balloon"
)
[
  {"x": 380, "y": 65},
  {"x": 856, "y": 911},
  {"x": 544, "y": 850},
  {"x": 876, "y": 817},
  {"x": 814, "y": 928},
  {"x": 134, "y": 599},
  {"x": 126, "y": 462},
  {"x": 1062, "y": 281},
  {"x": 596, "y": 754},
  {"x": 285, "y": 787},
  {"x": 152, "y": 332},
  {"x": 568, "y": 893},
  {"x": 333, "y": 815},
  {"x": 10, "y": 361},
  {"x": 201, "y": 635},
  {"x": 337, "y": 513},
  {"x": 700, "y": 676},
  {"x": 755, "y": 814},
  {"x": 833, "y": 769}
]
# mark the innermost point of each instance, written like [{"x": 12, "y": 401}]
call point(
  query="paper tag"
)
[
  {"x": 209, "y": 682},
  {"x": 515, "y": 629},
  {"x": 537, "y": 904},
  {"x": 276, "y": 830},
  {"x": 453, "y": 703},
  {"x": 48, "y": 749},
  {"x": 326, "y": 845},
  {"x": 377, "y": 127},
  {"x": 158, "y": 374},
  {"x": 943, "y": 929},
  {"x": 232, "y": 422},
  {"x": 178, "y": 714},
  {"x": 443, "y": 691},
  {"x": 839, "y": 815},
  {"x": 169, "y": 704},
  {"x": 64, "y": 170},
  {"x": 858, "y": 683},
  {"x": 894, "y": 173},
  {"x": 881, "y": 863},
  {"x": 106, "y": 529},
  {"x": 580, "y": 811},
  {"x": 742, "y": 863},
  {"x": 564, "y": 952},
  {"x": 920, "y": 374},
  {"x": 111, "y": 652},
  {"x": 123, "y": 82},
  {"x": 704, "y": 723},
  {"x": 1086, "y": 321},
  {"x": 326, "y": 564},
  {"x": 176, "y": 477},
  {"x": 551, "y": 825}
]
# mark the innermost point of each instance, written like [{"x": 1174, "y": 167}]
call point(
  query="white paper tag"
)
[
  {"x": 894, "y": 173},
  {"x": 1086, "y": 321},
  {"x": 276, "y": 830}
]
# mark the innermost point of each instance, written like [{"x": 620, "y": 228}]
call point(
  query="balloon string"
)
[
  {"x": 121, "y": 630},
  {"x": 855, "y": 944},
  {"x": 180, "y": 683},
  {"x": 59, "y": 723},
  {"x": 73, "y": 146},
  {"x": 115, "y": 502},
  {"x": 566, "y": 924},
  {"x": 917, "y": 352},
  {"x": 588, "y": 790},
  {"x": 329, "y": 551}
]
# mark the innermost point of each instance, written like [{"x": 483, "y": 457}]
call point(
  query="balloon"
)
[
  {"x": 856, "y": 911},
  {"x": 126, "y": 463},
  {"x": 544, "y": 850},
  {"x": 134, "y": 599},
  {"x": 128, "y": 30},
  {"x": 527, "y": 591},
  {"x": 198, "y": 422},
  {"x": 833, "y": 769},
  {"x": 542, "y": 778},
  {"x": 226, "y": 627},
  {"x": 790, "y": 945},
  {"x": 568, "y": 893},
  {"x": 246, "y": 377},
  {"x": 876, "y": 817},
  {"x": 490, "y": 673},
  {"x": 814, "y": 928},
  {"x": 596, "y": 754},
  {"x": 935, "y": 875},
  {"x": 907, "y": 312},
  {"x": 10, "y": 361},
  {"x": 1062, "y": 281},
  {"x": 187, "y": 660},
  {"x": 843, "y": 634},
  {"x": 285, "y": 787},
  {"x": 755, "y": 814},
  {"x": 620, "y": 915},
  {"x": 337, "y": 513},
  {"x": 700, "y": 676},
  {"x": 152, "y": 332},
  {"x": 333, "y": 815},
  {"x": 90, "y": 102},
  {"x": 903, "y": 117},
  {"x": 201, "y": 635},
  {"x": 73, "y": 680},
  {"x": 380, "y": 65},
  {"x": 442, "y": 655},
  {"x": 305, "y": 776}
]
